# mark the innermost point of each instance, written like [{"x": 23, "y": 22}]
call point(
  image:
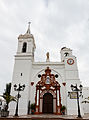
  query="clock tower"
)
[
  {"x": 70, "y": 61},
  {"x": 71, "y": 74}
]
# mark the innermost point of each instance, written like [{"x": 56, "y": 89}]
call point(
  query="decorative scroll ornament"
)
[{"x": 48, "y": 80}]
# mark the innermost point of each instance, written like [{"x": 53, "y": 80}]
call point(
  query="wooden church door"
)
[{"x": 48, "y": 103}]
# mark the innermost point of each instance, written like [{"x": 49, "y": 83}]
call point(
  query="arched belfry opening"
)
[
  {"x": 48, "y": 98},
  {"x": 24, "y": 48}
]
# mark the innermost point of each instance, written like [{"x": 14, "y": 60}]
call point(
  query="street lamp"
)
[
  {"x": 18, "y": 89},
  {"x": 79, "y": 93}
]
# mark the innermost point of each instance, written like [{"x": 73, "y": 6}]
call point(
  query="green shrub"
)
[
  {"x": 63, "y": 108},
  {"x": 33, "y": 106}
]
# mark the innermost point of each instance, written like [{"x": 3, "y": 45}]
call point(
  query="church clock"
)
[{"x": 70, "y": 61}]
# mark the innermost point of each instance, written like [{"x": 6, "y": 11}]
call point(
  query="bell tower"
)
[
  {"x": 23, "y": 70},
  {"x": 26, "y": 44}
]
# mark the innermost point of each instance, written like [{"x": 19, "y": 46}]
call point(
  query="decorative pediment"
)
[{"x": 48, "y": 80}]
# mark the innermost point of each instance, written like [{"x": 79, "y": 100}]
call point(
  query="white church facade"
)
[{"x": 46, "y": 83}]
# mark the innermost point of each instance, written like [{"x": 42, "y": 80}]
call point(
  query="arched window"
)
[
  {"x": 24, "y": 47},
  {"x": 66, "y": 54}
]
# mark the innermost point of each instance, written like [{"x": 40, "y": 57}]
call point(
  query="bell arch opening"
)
[{"x": 24, "y": 47}]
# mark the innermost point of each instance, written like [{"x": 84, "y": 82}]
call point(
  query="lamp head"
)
[
  {"x": 15, "y": 86},
  {"x": 24, "y": 86},
  {"x": 72, "y": 87},
  {"x": 81, "y": 87},
  {"x": 68, "y": 94}
]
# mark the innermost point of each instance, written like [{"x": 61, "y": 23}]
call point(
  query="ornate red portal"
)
[{"x": 48, "y": 94}]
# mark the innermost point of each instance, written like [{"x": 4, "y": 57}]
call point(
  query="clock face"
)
[{"x": 70, "y": 61}]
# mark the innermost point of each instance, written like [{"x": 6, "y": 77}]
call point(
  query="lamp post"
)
[
  {"x": 79, "y": 93},
  {"x": 18, "y": 89}
]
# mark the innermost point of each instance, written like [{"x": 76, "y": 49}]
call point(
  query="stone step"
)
[
  {"x": 47, "y": 118},
  {"x": 31, "y": 118},
  {"x": 3, "y": 118}
]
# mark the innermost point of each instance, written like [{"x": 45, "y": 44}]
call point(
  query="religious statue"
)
[{"x": 47, "y": 54}]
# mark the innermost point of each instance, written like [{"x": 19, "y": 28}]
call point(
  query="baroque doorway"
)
[
  {"x": 48, "y": 98},
  {"x": 48, "y": 103}
]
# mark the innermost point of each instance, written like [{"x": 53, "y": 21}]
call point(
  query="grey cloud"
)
[{"x": 55, "y": 23}]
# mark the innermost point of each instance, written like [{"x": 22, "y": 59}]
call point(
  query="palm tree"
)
[
  {"x": 6, "y": 95},
  {"x": 8, "y": 99}
]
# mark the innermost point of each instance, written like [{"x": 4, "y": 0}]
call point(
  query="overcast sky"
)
[{"x": 54, "y": 24}]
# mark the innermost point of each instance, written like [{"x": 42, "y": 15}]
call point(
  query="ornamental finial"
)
[
  {"x": 29, "y": 24},
  {"x": 28, "y": 31}
]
